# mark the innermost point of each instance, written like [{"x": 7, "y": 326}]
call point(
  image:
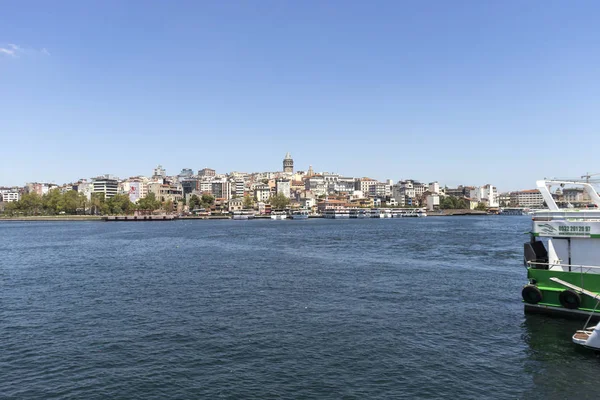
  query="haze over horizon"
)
[{"x": 460, "y": 92}]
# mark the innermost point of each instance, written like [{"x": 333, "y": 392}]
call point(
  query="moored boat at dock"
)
[
  {"x": 278, "y": 215},
  {"x": 564, "y": 246},
  {"x": 299, "y": 214},
  {"x": 336, "y": 214},
  {"x": 242, "y": 215}
]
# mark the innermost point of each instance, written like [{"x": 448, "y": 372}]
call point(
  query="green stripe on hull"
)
[{"x": 551, "y": 290}]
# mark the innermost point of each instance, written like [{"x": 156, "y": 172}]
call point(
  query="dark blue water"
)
[{"x": 359, "y": 309}]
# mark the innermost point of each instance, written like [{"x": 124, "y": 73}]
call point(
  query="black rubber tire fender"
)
[
  {"x": 531, "y": 294},
  {"x": 569, "y": 299}
]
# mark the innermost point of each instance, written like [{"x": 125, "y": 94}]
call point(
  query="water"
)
[{"x": 358, "y": 309}]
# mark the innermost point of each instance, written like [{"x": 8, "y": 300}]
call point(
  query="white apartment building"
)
[
  {"x": 487, "y": 194},
  {"x": 364, "y": 184},
  {"x": 107, "y": 184},
  {"x": 9, "y": 195},
  {"x": 434, "y": 187},
  {"x": 381, "y": 190},
  {"x": 527, "y": 198},
  {"x": 283, "y": 186},
  {"x": 315, "y": 184},
  {"x": 262, "y": 192}
]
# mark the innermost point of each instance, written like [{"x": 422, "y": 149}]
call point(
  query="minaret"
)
[{"x": 288, "y": 163}]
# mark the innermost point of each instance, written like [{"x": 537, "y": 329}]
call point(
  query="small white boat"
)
[{"x": 588, "y": 337}]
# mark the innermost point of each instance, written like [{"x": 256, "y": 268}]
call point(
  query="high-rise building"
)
[
  {"x": 288, "y": 163},
  {"x": 105, "y": 184}
]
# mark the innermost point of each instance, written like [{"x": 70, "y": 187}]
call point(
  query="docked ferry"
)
[
  {"x": 242, "y": 215},
  {"x": 564, "y": 246},
  {"x": 299, "y": 214},
  {"x": 336, "y": 214}
]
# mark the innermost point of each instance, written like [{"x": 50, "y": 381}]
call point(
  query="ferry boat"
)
[
  {"x": 409, "y": 212},
  {"x": 299, "y": 214},
  {"x": 358, "y": 213},
  {"x": 242, "y": 215},
  {"x": 511, "y": 211},
  {"x": 336, "y": 214},
  {"x": 376, "y": 213},
  {"x": 278, "y": 215},
  {"x": 564, "y": 246}
]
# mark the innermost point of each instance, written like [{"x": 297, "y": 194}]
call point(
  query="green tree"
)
[
  {"x": 30, "y": 204},
  {"x": 207, "y": 200},
  {"x": 248, "y": 201},
  {"x": 168, "y": 206},
  {"x": 149, "y": 202},
  {"x": 279, "y": 201},
  {"x": 452, "y": 202},
  {"x": 120, "y": 204},
  {"x": 194, "y": 202},
  {"x": 53, "y": 202},
  {"x": 97, "y": 204},
  {"x": 481, "y": 207}
]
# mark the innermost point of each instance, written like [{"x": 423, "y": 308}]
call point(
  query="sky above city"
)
[{"x": 462, "y": 92}]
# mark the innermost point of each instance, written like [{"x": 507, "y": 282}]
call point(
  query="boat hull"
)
[{"x": 550, "y": 303}]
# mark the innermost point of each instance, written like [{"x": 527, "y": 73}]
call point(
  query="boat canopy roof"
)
[{"x": 545, "y": 185}]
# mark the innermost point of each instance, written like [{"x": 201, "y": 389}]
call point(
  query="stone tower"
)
[{"x": 288, "y": 163}]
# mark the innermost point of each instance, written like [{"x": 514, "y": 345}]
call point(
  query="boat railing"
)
[{"x": 572, "y": 267}]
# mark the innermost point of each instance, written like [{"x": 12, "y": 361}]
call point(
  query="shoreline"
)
[{"x": 88, "y": 218}]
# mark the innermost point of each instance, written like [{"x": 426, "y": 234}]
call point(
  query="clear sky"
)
[{"x": 471, "y": 92}]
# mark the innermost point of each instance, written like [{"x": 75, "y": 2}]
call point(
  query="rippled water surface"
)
[{"x": 356, "y": 309}]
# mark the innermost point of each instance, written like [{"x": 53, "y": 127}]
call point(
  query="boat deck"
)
[{"x": 582, "y": 335}]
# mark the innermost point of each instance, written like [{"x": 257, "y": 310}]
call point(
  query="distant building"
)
[
  {"x": 487, "y": 195},
  {"x": 363, "y": 185},
  {"x": 288, "y": 164},
  {"x": 207, "y": 172},
  {"x": 433, "y": 201},
  {"x": 527, "y": 198},
  {"x": 186, "y": 173},
  {"x": 315, "y": 184},
  {"x": 221, "y": 189},
  {"x": 504, "y": 199},
  {"x": 283, "y": 186},
  {"x": 189, "y": 185},
  {"x": 262, "y": 192},
  {"x": 239, "y": 187},
  {"x": 459, "y": 191},
  {"x": 434, "y": 187},
  {"x": 159, "y": 173},
  {"x": 236, "y": 204},
  {"x": 380, "y": 190},
  {"x": 8, "y": 195},
  {"x": 573, "y": 195},
  {"x": 107, "y": 185}
]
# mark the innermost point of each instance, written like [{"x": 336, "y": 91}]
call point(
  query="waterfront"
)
[{"x": 372, "y": 308}]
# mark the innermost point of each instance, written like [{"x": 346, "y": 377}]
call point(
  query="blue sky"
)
[{"x": 468, "y": 92}]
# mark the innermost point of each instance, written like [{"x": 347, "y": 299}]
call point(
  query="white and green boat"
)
[{"x": 564, "y": 244}]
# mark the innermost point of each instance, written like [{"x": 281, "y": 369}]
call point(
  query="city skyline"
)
[{"x": 465, "y": 92}]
